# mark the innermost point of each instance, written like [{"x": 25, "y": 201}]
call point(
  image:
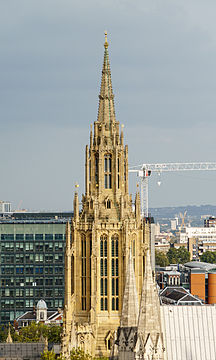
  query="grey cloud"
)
[{"x": 163, "y": 68}]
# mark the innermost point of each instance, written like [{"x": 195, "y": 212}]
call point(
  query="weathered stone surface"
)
[
  {"x": 149, "y": 321},
  {"x": 144, "y": 338},
  {"x": 130, "y": 306}
]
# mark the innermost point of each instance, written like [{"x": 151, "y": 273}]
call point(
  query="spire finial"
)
[{"x": 106, "y": 42}]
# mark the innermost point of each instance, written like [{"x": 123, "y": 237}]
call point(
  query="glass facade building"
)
[{"x": 32, "y": 262}]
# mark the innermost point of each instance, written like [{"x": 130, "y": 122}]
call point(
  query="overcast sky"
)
[{"x": 163, "y": 59}]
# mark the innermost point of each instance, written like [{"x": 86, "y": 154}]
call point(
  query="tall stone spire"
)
[
  {"x": 106, "y": 111},
  {"x": 101, "y": 234},
  {"x": 9, "y": 337},
  {"x": 149, "y": 323},
  {"x": 130, "y": 307}
]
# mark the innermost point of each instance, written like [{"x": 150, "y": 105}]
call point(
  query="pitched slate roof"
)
[
  {"x": 31, "y": 315},
  {"x": 170, "y": 289},
  {"x": 176, "y": 295}
]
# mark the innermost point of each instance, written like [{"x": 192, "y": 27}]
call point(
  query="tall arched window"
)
[
  {"x": 83, "y": 275},
  {"x": 89, "y": 170},
  {"x": 108, "y": 204},
  {"x": 90, "y": 263},
  {"x": 133, "y": 248},
  {"x": 118, "y": 168},
  {"x": 108, "y": 171},
  {"x": 103, "y": 273},
  {"x": 115, "y": 272},
  {"x": 96, "y": 168}
]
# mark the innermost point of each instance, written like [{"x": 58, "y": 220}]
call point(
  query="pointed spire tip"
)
[{"x": 106, "y": 42}]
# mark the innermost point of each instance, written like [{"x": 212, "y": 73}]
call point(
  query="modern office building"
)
[
  {"x": 201, "y": 233},
  {"x": 5, "y": 206},
  {"x": 32, "y": 262},
  {"x": 199, "y": 239},
  {"x": 210, "y": 222}
]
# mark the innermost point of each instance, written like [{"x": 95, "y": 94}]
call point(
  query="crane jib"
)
[{"x": 144, "y": 171}]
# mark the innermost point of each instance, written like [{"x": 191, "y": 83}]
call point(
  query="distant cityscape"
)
[{"x": 33, "y": 243}]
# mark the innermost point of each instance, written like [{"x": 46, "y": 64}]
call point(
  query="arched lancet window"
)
[
  {"x": 89, "y": 170},
  {"x": 96, "y": 168},
  {"x": 115, "y": 272},
  {"x": 108, "y": 204},
  {"x": 90, "y": 263},
  {"x": 103, "y": 273},
  {"x": 108, "y": 171},
  {"x": 133, "y": 249},
  {"x": 83, "y": 274},
  {"x": 118, "y": 168}
]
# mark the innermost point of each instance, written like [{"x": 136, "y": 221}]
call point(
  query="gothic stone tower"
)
[{"x": 100, "y": 237}]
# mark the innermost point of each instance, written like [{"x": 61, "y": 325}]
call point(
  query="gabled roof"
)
[
  {"x": 31, "y": 315},
  {"x": 189, "y": 298},
  {"x": 176, "y": 295},
  {"x": 167, "y": 290}
]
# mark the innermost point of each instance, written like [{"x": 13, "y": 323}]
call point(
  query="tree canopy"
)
[
  {"x": 161, "y": 258},
  {"x": 76, "y": 354},
  {"x": 173, "y": 256},
  {"x": 79, "y": 354},
  {"x": 178, "y": 256},
  {"x": 33, "y": 332},
  {"x": 209, "y": 257}
]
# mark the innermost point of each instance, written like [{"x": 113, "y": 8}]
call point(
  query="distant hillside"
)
[{"x": 192, "y": 211}]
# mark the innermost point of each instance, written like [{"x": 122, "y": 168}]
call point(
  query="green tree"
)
[
  {"x": 178, "y": 256},
  {"x": 183, "y": 255},
  {"x": 33, "y": 332},
  {"x": 161, "y": 258},
  {"x": 54, "y": 333},
  {"x": 48, "y": 355},
  {"x": 79, "y": 354},
  {"x": 172, "y": 255},
  {"x": 3, "y": 333},
  {"x": 208, "y": 257}
]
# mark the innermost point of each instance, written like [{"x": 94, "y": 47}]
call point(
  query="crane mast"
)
[{"x": 144, "y": 171}]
